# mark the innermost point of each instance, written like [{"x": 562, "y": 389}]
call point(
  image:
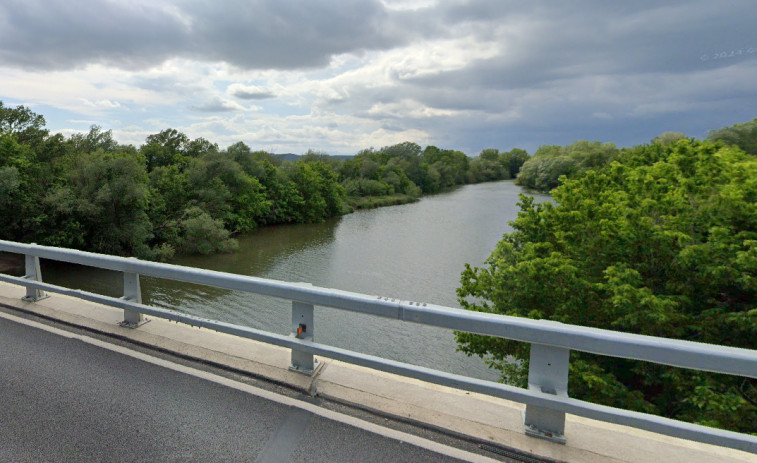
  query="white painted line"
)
[{"x": 268, "y": 395}]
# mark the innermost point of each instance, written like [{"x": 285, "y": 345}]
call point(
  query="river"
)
[{"x": 411, "y": 252}]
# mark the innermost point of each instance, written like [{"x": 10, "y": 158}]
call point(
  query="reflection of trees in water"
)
[
  {"x": 91, "y": 279},
  {"x": 11, "y": 264},
  {"x": 237, "y": 307},
  {"x": 259, "y": 253},
  {"x": 260, "y": 250}
]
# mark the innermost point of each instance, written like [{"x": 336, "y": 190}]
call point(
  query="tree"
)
[
  {"x": 16, "y": 185},
  {"x": 663, "y": 243},
  {"x": 201, "y": 234},
  {"x": 226, "y": 192},
  {"x": 321, "y": 193},
  {"x": 742, "y": 135},
  {"x": 165, "y": 148},
  {"x": 95, "y": 139},
  {"x": 108, "y": 195},
  {"x": 26, "y": 125},
  {"x": 667, "y": 138},
  {"x": 550, "y": 162},
  {"x": 514, "y": 159}
]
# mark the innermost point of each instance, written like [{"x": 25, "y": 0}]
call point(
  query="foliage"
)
[
  {"x": 742, "y": 135},
  {"x": 661, "y": 242},
  {"x": 89, "y": 192},
  {"x": 27, "y": 126},
  {"x": 667, "y": 138},
  {"x": 407, "y": 171},
  {"x": 104, "y": 198},
  {"x": 201, "y": 234},
  {"x": 544, "y": 170}
]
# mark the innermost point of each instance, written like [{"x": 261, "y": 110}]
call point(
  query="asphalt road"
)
[{"x": 63, "y": 399}]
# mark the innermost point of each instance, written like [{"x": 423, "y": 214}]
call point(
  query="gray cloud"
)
[
  {"x": 70, "y": 34},
  {"x": 217, "y": 105},
  {"x": 259, "y": 34},
  {"x": 245, "y": 92},
  {"x": 615, "y": 71}
]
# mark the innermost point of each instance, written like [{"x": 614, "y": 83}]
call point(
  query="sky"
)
[{"x": 341, "y": 76}]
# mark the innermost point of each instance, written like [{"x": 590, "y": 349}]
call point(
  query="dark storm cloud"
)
[
  {"x": 248, "y": 34},
  {"x": 611, "y": 71},
  {"x": 283, "y": 34},
  {"x": 557, "y": 71},
  {"x": 576, "y": 39},
  {"x": 68, "y": 34}
]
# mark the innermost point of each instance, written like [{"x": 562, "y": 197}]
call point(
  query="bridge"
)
[{"x": 470, "y": 419}]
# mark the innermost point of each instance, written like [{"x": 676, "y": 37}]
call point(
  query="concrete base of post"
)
[
  {"x": 35, "y": 298},
  {"x": 307, "y": 371},
  {"x": 132, "y": 325},
  {"x": 533, "y": 431}
]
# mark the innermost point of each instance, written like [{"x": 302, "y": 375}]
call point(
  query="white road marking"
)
[{"x": 268, "y": 395}]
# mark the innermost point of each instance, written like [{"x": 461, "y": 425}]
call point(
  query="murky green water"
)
[{"x": 411, "y": 252}]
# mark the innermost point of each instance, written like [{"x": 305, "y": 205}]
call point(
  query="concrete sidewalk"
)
[{"x": 481, "y": 417}]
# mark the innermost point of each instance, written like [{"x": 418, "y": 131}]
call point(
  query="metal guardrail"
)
[{"x": 546, "y": 398}]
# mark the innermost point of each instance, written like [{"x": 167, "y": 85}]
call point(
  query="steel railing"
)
[{"x": 546, "y": 398}]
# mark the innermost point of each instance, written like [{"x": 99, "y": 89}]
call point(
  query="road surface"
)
[{"x": 68, "y": 397}]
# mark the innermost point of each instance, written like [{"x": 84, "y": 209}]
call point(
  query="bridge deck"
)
[{"x": 480, "y": 417}]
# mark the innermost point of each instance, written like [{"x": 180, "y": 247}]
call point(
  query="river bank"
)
[
  {"x": 372, "y": 202},
  {"x": 413, "y": 251}
]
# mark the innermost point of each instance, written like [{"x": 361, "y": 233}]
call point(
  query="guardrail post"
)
[
  {"x": 33, "y": 272},
  {"x": 548, "y": 373},
  {"x": 132, "y": 292},
  {"x": 303, "y": 328}
]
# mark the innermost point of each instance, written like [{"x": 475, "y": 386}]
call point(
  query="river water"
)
[{"x": 410, "y": 252}]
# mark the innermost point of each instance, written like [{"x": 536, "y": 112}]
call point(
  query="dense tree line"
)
[
  {"x": 550, "y": 162},
  {"x": 742, "y": 135},
  {"x": 661, "y": 241},
  {"x": 174, "y": 194},
  {"x": 543, "y": 171},
  {"x": 407, "y": 169}
]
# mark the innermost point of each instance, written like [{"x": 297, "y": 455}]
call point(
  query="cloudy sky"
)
[{"x": 339, "y": 76}]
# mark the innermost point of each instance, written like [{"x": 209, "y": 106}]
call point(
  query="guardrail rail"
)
[{"x": 547, "y": 400}]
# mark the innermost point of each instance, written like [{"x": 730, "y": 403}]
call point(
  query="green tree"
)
[
  {"x": 95, "y": 139},
  {"x": 742, "y": 135},
  {"x": 16, "y": 185},
  {"x": 320, "y": 190},
  {"x": 667, "y": 138},
  {"x": 226, "y": 192},
  {"x": 663, "y": 243},
  {"x": 550, "y": 162},
  {"x": 108, "y": 196},
  {"x": 25, "y": 124},
  {"x": 165, "y": 148},
  {"x": 286, "y": 200},
  {"x": 201, "y": 234},
  {"x": 514, "y": 160}
]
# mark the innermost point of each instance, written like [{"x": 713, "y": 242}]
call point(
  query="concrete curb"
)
[{"x": 474, "y": 416}]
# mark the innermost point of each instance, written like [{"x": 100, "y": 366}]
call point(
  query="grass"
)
[{"x": 371, "y": 202}]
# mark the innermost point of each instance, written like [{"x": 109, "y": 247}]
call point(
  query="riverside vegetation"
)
[
  {"x": 659, "y": 239},
  {"x": 176, "y": 195}
]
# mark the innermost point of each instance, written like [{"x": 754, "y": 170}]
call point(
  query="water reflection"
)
[{"x": 412, "y": 252}]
